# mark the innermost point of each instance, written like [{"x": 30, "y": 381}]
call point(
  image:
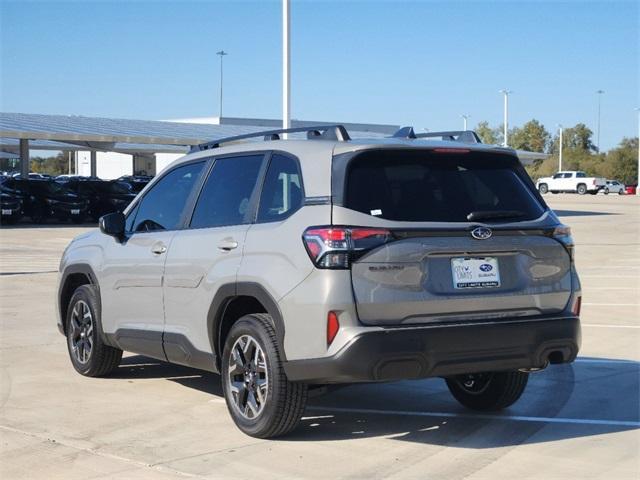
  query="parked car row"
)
[
  {"x": 78, "y": 199},
  {"x": 578, "y": 182}
]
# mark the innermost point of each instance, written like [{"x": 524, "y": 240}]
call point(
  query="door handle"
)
[
  {"x": 227, "y": 245},
  {"x": 159, "y": 248}
]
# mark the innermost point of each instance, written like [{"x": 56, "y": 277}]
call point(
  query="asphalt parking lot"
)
[{"x": 153, "y": 420}]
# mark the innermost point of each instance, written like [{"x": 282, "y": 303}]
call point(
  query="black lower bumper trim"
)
[{"x": 444, "y": 350}]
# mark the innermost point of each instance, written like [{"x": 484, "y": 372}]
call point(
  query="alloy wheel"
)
[
  {"x": 248, "y": 379},
  {"x": 81, "y": 335}
]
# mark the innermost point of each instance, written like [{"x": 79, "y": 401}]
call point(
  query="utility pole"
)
[
  {"x": 286, "y": 70},
  {"x": 506, "y": 93},
  {"x": 221, "y": 54},
  {"x": 599, "y": 92},
  {"x": 560, "y": 149},
  {"x": 464, "y": 121}
]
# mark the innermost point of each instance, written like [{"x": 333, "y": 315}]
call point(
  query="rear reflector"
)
[
  {"x": 576, "y": 306},
  {"x": 333, "y": 325}
]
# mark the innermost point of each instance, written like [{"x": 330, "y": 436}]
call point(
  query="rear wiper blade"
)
[{"x": 489, "y": 214}]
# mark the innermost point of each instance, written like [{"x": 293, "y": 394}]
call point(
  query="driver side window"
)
[{"x": 161, "y": 208}]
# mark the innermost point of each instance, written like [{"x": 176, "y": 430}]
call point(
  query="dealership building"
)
[{"x": 110, "y": 148}]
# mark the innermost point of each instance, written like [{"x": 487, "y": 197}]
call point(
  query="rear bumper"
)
[{"x": 444, "y": 350}]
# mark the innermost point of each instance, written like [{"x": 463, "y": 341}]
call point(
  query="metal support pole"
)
[
  {"x": 94, "y": 163},
  {"x": 560, "y": 149},
  {"x": 506, "y": 93},
  {"x": 25, "y": 161},
  {"x": 286, "y": 71},
  {"x": 221, "y": 53},
  {"x": 464, "y": 121},
  {"x": 599, "y": 92}
]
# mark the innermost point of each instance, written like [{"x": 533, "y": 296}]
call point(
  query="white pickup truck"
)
[{"x": 571, "y": 182}]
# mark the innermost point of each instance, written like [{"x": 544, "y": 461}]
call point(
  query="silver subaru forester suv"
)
[{"x": 285, "y": 265}]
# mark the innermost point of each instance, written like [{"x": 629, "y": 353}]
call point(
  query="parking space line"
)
[
  {"x": 602, "y": 325},
  {"x": 607, "y": 360},
  {"x": 611, "y": 304},
  {"x": 515, "y": 418}
]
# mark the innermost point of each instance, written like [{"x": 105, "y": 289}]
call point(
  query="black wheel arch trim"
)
[
  {"x": 225, "y": 294},
  {"x": 86, "y": 270}
]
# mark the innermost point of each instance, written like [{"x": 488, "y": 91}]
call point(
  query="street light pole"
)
[
  {"x": 599, "y": 92},
  {"x": 560, "y": 149},
  {"x": 221, "y": 54},
  {"x": 506, "y": 93},
  {"x": 464, "y": 120},
  {"x": 286, "y": 71}
]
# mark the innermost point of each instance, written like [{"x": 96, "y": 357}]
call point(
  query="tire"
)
[
  {"x": 582, "y": 189},
  {"x": 488, "y": 391},
  {"x": 621, "y": 192},
  {"x": 84, "y": 331},
  {"x": 606, "y": 191},
  {"x": 262, "y": 402},
  {"x": 543, "y": 188}
]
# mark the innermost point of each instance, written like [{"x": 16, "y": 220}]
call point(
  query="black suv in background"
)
[
  {"x": 43, "y": 199},
  {"x": 103, "y": 196},
  {"x": 10, "y": 207}
]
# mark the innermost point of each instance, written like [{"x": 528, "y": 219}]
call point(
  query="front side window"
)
[
  {"x": 161, "y": 208},
  {"x": 226, "y": 196},
  {"x": 282, "y": 190},
  {"x": 426, "y": 186}
]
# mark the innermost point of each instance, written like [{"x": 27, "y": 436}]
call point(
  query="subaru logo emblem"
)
[
  {"x": 485, "y": 267},
  {"x": 481, "y": 233}
]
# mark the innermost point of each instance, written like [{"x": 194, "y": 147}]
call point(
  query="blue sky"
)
[{"x": 422, "y": 63}]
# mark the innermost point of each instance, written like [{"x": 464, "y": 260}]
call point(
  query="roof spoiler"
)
[
  {"x": 464, "y": 136},
  {"x": 320, "y": 132}
]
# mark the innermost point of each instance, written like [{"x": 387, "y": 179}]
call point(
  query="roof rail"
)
[
  {"x": 320, "y": 132},
  {"x": 464, "y": 136}
]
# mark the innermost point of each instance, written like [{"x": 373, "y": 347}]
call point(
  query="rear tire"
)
[
  {"x": 582, "y": 189},
  {"x": 621, "y": 191},
  {"x": 89, "y": 355},
  {"x": 488, "y": 391},
  {"x": 262, "y": 402},
  {"x": 606, "y": 191},
  {"x": 543, "y": 188}
]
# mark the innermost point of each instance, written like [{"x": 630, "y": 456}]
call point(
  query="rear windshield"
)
[{"x": 427, "y": 186}]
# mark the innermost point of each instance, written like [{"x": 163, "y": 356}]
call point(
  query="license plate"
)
[
  {"x": 6, "y": 211},
  {"x": 475, "y": 272},
  {"x": 75, "y": 211}
]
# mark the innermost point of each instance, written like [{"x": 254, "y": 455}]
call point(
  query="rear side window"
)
[
  {"x": 282, "y": 191},
  {"x": 161, "y": 208},
  {"x": 425, "y": 186},
  {"x": 226, "y": 196}
]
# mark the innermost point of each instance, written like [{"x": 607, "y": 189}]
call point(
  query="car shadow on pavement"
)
[
  {"x": 139, "y": 367},
  {"x": 594, "y": 396}
]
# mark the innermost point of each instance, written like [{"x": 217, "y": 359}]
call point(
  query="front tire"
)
[
  {"x": 89, "y": 355},
  {"x": 262, "y": 402},
  {"x": 543, "y": 188},
  {"x": 488, "y": 391}
]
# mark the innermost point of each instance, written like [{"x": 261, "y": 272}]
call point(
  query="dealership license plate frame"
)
[
  {"x": 474, "y": 272},
  {"x": 7, "y": 211}
]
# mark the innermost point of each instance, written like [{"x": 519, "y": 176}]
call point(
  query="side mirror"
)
[{"x": 113, "y": 224}]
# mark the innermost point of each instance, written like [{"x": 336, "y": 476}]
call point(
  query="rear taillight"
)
[
  {"x": 563, "y": 235},
  {"x": 336, "y": 247}
]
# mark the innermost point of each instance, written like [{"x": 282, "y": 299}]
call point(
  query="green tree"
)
[
  {"x": 486, "y": 133},
  {"x": 532, "y": 136},
  {"x": 622, "y": 162}
]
